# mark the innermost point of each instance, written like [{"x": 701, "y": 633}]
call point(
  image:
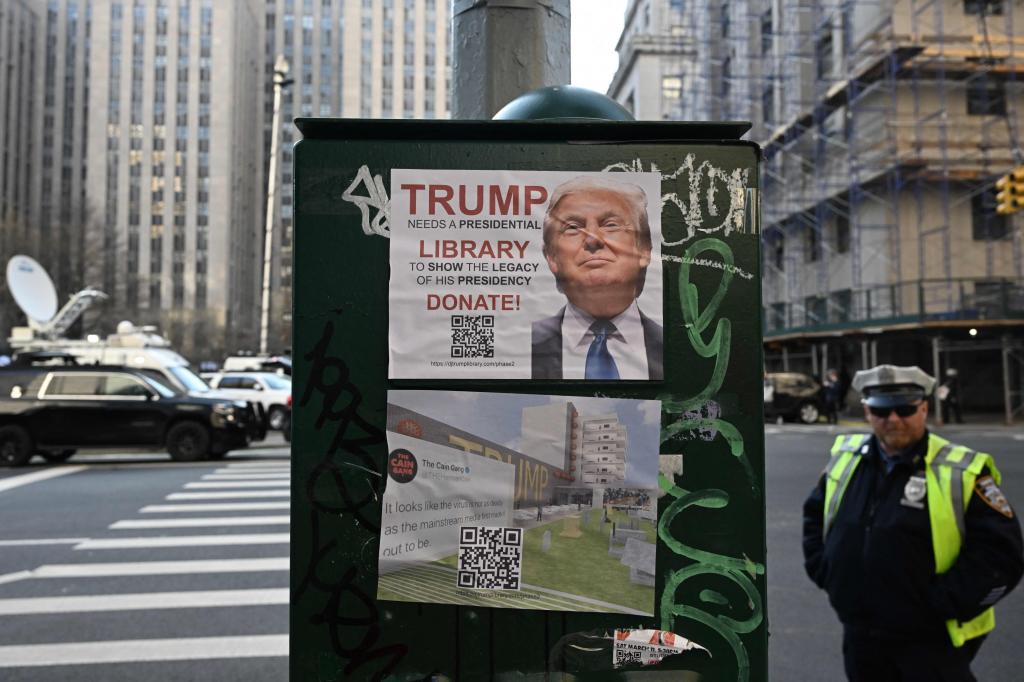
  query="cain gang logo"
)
[{"x": 402, "y": 466}]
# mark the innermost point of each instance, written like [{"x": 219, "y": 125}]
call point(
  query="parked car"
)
[
  {"x": 269, "y": 389},
  {"x": 286, "y": 428},
  {"x": 51, "y": 411},
  {"x": 160, "y": 364},
  {"x": 793, "y": 397},
  {"x": 281, "y": 364}
]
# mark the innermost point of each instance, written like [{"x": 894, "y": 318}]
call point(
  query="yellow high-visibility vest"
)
[{"x": 950, "y": 473}]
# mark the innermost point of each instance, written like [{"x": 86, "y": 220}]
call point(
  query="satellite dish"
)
[{"x": 32, "y": 289}]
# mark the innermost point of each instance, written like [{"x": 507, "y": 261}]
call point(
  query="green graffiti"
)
[
  {"x": 712, "y": 597},
  {"x": 739, "y": 571},
  {"x": 718, "y": 348}
]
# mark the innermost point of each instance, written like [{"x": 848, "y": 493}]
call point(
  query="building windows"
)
[
  {"x": 671, "y": 88},
  {"x": 839, "y": 306},
  {"x": 986, "y": 96},
  {"x": 986, "y": 224},
  {"x": 812, "y": 244},
  {"x": 823, "y": 51},
  {"x": 842, "y": 233},
  {"x": 815, "y": 310},
  {"x": 777, "y": 316},
  {"x": 766, "y": 31},
  {"x": 778, "y": 250},
  {"x": 983, "y": 7},
  {"x": 768, "y": 103}
]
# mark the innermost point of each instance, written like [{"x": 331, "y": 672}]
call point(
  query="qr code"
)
[
  {"x": 472, "y": 336},
  {"x": 490, "y": 558},
  {"x": 624, "y": 657}
]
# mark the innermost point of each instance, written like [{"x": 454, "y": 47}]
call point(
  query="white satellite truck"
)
[{"x": 139, "y": 348}]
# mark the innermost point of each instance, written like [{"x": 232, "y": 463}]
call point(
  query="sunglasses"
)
[{"x": 900, "y": 410}]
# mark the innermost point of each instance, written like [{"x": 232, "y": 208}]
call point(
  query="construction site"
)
[{"x": 884, "y": 127}]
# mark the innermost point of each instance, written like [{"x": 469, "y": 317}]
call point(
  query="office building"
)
[
  {"x": 22, "y": 57},
  {"x": 128, "y": 143},
  {"x": 173, "y": 210},
  {"x": 656, "y": 61},
  {"x": 884, "y": 126},
  {"x": 350, "y": 59}
]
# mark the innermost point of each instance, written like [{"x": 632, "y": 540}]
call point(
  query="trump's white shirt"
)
[{"x": 626, "y": 345}]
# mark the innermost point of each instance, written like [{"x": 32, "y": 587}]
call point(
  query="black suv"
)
[{"x": 50, "y": 411}]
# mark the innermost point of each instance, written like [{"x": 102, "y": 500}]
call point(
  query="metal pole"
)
[
  {"x": 1007, "y": 400},
  {"x": 785, "y": 359},
  {"x": 280, "y": 81},
  {"x": 938, "y": 377},
  {"x": 503, "y": 48},
  {"x": 864, "y": 355}
]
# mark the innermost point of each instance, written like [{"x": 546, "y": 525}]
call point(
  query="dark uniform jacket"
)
[{"x": 878, "y": 565}]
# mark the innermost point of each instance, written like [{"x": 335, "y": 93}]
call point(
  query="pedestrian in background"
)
[
  {"x": 949, "y": 396},
  {"x": 833, "y": 395},
  {"x": 911, "y": 537}
]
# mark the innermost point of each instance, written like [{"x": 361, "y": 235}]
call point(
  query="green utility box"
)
[{"x": 528, "y": 435}]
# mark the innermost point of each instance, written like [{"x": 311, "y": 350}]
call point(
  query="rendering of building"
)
[
  {"x": 599, "y": 449},
  {"x": 590, "y": 449},
  {"x": 549, "y": 433},
  {"x": 884, "y": 126}
]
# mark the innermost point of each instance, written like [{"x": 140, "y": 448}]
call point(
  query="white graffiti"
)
[
  {"x": 709, "y": 263},
  {"x": 693, "y": 209},
  {"x": 376, "y": 197}
]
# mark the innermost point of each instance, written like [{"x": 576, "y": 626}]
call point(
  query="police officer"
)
[{"x": 911, "y": 537}]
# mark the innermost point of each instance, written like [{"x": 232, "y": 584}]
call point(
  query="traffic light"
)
[{"x": 1010, "y": 188}]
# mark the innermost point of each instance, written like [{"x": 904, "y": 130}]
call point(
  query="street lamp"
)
[{"x": 281, "y": 81}]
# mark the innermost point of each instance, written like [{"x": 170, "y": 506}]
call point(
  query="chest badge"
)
[{"x": 914, "y": 492}]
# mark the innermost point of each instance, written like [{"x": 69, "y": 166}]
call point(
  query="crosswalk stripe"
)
[
  {"x": 145, "y": 600},
  {"x": 36, "y": 476},
  {"x": 265, "y": 463},
  {"x": 238, "y": 484},
  {"x": 228, "y": 495},
  {"x": 140, "y": 650},
  {"x": 117, "y": 569},
  {"x": 41, "y": 541},
  {"x": 222, "y": 506},
  {"x": 186, "y": 541},
  {"x": 257, "y": 476},
  {"x": 203, "y": 523},
  {"x": 260, "y": 469}
]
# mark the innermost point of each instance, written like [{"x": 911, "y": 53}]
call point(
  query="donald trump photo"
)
[{"x": 597, "y": 243}]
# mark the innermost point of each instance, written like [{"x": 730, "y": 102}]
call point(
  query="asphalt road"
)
[
  {"x": 99, "y": 580},
  {"x": 805, "y": 643},
  {"x": 132, "y": 567}
]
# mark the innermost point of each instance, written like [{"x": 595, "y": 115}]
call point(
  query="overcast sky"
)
[{"x": 596, "y": 25}]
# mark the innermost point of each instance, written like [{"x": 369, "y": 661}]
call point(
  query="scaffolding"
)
[{"x": 884, "y": 125}]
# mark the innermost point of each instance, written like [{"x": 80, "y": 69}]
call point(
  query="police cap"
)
[{"x": 891, "y": 386}]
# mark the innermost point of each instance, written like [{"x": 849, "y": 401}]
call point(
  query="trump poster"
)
[{"x": 525, "y": 275}]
